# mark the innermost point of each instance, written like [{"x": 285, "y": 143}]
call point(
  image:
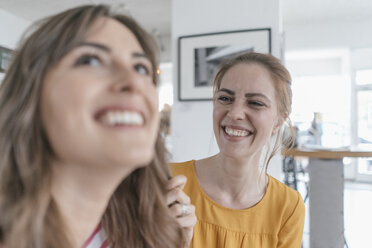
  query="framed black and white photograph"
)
[
  {"x": 5, "y": 57},
  {"x": 200, "y": 55}
]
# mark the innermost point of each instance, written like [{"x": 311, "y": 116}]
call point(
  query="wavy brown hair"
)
[
  {"x": 283, "y": 92},
  {"x": 136, "y": 216}
]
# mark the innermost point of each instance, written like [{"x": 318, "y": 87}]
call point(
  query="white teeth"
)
[
  {"x": 113, "y": 118},
  {"x": 235, "y": 132}
]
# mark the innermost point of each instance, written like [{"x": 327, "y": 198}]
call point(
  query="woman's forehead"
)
[{"x": 247, "y": 75}]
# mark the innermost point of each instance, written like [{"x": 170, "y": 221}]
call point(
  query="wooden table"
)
[{"x": 326, "y": 189}]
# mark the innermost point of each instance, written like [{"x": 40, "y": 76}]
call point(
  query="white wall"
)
[
  {"x": 192, "y": 133},
  {"x": 12, "y": 28},
  {"x": 328, "y": 34}
]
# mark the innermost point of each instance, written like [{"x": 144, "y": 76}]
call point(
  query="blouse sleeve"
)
[{"x": 290, "y": 235}]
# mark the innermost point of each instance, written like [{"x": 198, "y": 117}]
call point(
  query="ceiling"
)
[
  {"x": 155, "y": 15},
  {"x": 299, "y": 11}
]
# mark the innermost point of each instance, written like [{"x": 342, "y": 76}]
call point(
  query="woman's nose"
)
[
  {"x": 125, "y": 79},
  {"x": 237, "y": 111}
]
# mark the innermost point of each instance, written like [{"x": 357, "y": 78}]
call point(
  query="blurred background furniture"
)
[{"x": 326, "y": 186}]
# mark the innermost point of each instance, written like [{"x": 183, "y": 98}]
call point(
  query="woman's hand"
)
[{"x": 179, "y": 205}]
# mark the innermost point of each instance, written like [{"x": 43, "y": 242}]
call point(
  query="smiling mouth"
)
[
  {"x": 121, "y": 118},
  {"x": 236, "y": 132}
]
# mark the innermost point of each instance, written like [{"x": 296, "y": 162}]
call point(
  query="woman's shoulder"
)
[
  {"x": 284, "y": 195},
  {"x": 290, "y": 207},
  {"x": 187, "y": 168},
  {"x": 280, "y": 187},
  {"x": 183, "y": 168},
  {"x": 186, "y": 163}
]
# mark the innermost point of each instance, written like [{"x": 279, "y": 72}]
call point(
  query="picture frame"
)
[
  {"x": 5, "y": 58},
  {"x": 200, "y": 55}
]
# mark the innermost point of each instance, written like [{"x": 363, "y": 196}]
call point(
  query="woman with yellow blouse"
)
[{"x": 237, "y": 203}]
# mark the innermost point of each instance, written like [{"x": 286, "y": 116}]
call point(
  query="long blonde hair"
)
[
  {"x": 136, "y": 216},
  {"x": 282, "y": 84}
]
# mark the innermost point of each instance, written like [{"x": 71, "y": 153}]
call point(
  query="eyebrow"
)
[
  {"x": 96, "y": 45},
  {"x": 247, "y": 95},
  {"x": 108, "y": 50},
  {"x": 142, "y": 55},
  {"x": 230, "y": 92}
]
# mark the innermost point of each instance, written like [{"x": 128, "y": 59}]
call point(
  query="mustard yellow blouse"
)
[{"x": 276, "y": 221}]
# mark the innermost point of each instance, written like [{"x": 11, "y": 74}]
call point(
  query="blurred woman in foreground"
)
[{"x": 79, "y": 143}]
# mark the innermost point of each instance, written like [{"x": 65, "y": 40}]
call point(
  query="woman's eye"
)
[
  {"x": 224, "y": 99},
  {"x": 142, "y": 69},
  {"x": 91, "y": 60},
  {"x": 256, "y": 103}
]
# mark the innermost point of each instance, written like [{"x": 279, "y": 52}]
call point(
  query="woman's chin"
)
[{"x": 138, "y": 159}]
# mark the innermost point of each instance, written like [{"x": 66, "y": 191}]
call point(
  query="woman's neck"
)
[
  {"x": 230, "y": 182},
  {"x": 82, "y": 195}
]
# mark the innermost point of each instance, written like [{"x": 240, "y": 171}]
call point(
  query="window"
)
[{"x": 321, "y": 88}]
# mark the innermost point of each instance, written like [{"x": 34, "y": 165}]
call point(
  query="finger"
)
[
  {"x": 179, "y": 210},
  {"x": 177, "y": 181},
  {"x": 177, "y": 196},
  {"x": 189, "y": 220}
]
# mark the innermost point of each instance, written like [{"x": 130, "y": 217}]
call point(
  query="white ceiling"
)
[
  {"x": 155, "y": 15},
  {"x": 299, "y": 11}
]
